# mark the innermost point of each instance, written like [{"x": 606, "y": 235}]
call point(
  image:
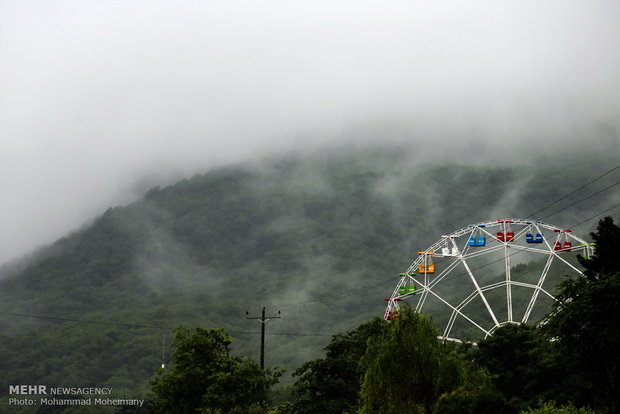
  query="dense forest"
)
[{"x": 320, "y": 238}]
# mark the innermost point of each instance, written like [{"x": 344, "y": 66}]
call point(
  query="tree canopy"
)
[
  {"x": 408, "y": 367},
  {"x": 319, "y": 233},
  {"x": 331, "y": 385},
  {"x": 205, "y": 378},
  {"x": 585, "y": 326},
  {"x": 522, "y": 363}
]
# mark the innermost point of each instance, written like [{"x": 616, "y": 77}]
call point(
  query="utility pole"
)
[{"x": 263, "y": 320}]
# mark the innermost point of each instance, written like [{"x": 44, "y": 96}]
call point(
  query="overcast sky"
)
[{"x": 99, "y": 97}]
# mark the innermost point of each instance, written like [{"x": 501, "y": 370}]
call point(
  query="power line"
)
[
  {"x": 594, "y": 216},
  {"x": 573, "y": 192},
  {"x": 54, "y": 318},
  {"x": 327, "y": 298},
  {"x": 583, "y": 199},
  {"x": 279, "y": 333},
  {"x": 135, "y": 325},
  {"x": 334, "y": 297},
  {"x": 349, "y": 293}
]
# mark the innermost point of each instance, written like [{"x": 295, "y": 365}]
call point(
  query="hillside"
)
[{"x": 320, "y": 238}]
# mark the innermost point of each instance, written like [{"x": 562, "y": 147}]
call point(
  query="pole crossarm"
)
[{"x": 263, "y": 319}]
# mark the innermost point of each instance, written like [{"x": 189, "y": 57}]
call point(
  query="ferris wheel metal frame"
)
[{"x": 507, "y": 236}]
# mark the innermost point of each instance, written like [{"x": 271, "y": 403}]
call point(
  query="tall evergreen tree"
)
[
  {"x": 585, "y": 325},
  {"x": 605, "y": 261}
]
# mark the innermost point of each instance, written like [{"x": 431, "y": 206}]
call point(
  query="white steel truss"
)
[{"x": 469, "y": 252}]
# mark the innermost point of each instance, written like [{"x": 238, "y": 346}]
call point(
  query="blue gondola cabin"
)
[
  {"x": 530, "y": 238},
  {"x": 477, "y": 241}
]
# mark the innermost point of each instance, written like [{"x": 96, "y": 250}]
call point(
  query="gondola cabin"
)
[
  {"x": 477, "y": 241},
  {"x": 565, "y": 247},
  {"x": 508, "y": 236},
  {"x": 392, "y": 315},
  {"x": 530, "y": 238},
  {"x": 446, "y": 251},
  {"x": 407, "y": 290},
  {"x": 427, "y": 266},
  {"x": 430, "y": 268}
]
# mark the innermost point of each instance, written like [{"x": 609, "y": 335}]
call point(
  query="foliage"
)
[
  {"x": 331, "y": 385},
  {"x": 322, "y": 233},
  {"x": 408, "y": 368},
  {"x": 605, "y": 261},
  {"x": 472, "y": 400},
  {"x": 520, "y": 360},
  {"x": 551, "y": 408},
  {"x": 205, "y": 378},
  {"x": 585, "y": 326}
]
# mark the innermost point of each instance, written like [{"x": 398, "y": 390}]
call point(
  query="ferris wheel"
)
[{"x": 486, "y": 275}]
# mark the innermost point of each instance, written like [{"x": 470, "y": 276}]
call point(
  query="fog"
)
[{"x": 101, "y": 99}]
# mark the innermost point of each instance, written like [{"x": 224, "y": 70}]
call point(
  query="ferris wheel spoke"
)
[
  {"x": 444, "y": 273},
  {"x": 541, "y": 280},
  {"x": 428, "y": 286},
  {"x": 501, "y": 257},
  {"x": 494, "y": 285},
  {"x": 528, "y": 249},
  {"x": 567, "y": 263},
  {"x": 532, "y": 286},
  {"x": 424, "y": 293},
  {"x": 448, "y": 328},
  {"x": 484, "y": 299},
  {"x": 454, "y": 309},
  {"x": 457, "y": 311},
  {"x": 483, "y": 251},
  {"x": 466, "y": 302},
  {"x": 508, "y": 285}
]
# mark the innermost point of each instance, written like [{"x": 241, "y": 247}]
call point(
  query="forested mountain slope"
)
[{"x": 319, "y": 238}]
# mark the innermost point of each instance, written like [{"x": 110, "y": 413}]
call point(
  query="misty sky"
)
[{"x": 101, "y": 98}]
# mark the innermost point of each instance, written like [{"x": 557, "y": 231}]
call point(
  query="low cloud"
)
[{"x": 103, "y": 99}]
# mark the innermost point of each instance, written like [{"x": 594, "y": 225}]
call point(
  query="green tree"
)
[
  {"x": 205, "y": 378},
  {"x": 472, "y": 400},
  {"x": 550, "y": 408},
  {"x": 408, "y": 368},
  {"x": 520, "y": 360},
  {"x": 584, "y": 324},
  {"x": 605, "y": 260},
  {"x": 331, "y": 385}
]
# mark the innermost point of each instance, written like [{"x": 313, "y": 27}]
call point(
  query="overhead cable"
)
[
  {"x": 135, "y": 325},
  {"x": 574, "y": 191}
]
